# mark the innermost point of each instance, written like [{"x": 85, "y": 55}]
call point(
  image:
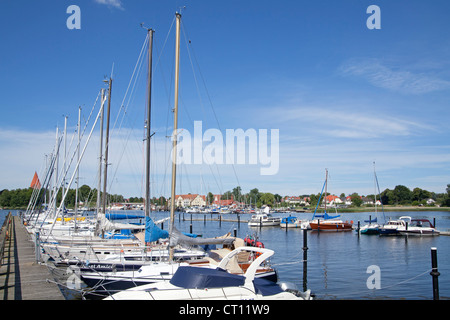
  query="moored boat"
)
[
  {"x": 264, "y": 220},
  {"x": 419, "y": 227},
  {"x": 391, "y": 228},
  {"x": 293, "y": 222},
  {"x": 331, "y": 225},
  {"x": 197, "y": 283}
]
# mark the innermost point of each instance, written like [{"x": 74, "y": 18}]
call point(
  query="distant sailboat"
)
[
  {"x": 373, "y": 227},
  {"x": 328, "y": 223}
]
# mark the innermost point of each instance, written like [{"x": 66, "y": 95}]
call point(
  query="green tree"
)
[
  {"x": 210, "y": 198},
  {"x": 420, "y": 195},
  {"x": 356, "y": 199},
  {"x": 237, "y": 194},
  {"x": 267, "y": 199},
  {"x": 403, "y": 194},
  {"x": 226, "y": 196}
]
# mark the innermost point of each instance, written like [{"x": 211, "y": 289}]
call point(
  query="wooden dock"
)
[{"x": 21, "y": 277}]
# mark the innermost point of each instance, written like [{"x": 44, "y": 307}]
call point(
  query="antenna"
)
[
  {"x": 144, "y": 27},
  {"x": 181, "y": 9}
]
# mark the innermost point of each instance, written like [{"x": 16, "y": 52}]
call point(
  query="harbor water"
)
[{"x": 342, "y": 265}]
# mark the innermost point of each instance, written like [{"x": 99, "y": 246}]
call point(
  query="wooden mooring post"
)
[
  {"x": 305, "y": 260},
  {"x": 434, "y": 273}
]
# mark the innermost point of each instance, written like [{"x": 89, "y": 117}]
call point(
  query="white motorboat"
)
[
  {"x": 263, "y": 220},
  {"x": 392, "y": 226},
  {"x": 294, "y": 222},
  {"x": 197, "y": 283},
  {"x": 419, "y": 227}
]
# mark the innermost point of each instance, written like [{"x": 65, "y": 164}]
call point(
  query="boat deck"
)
[{"x": 21, "y": 278}]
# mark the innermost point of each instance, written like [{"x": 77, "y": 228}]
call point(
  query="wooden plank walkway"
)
[{"x": 21, "y": 278}]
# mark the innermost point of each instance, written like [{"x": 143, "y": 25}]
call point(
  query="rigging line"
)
[
  {"x": 131, "y": 78},
  {"x": 134, "y": 79},
  {"x": 209, "y": 97},
  {"x": 63, "y": 174},
  {"x": 188, "y": 46}
]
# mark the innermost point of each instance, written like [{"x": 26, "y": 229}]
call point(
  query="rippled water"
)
[{"x": 337, "y": 262}]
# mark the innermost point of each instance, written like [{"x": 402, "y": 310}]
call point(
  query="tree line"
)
[{"x": 400, "y": 195}]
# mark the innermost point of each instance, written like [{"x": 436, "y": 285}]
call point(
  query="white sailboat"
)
[{"x": 373, "y": 227}]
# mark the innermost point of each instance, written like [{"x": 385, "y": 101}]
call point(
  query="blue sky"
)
[{"x": 341, "y": 95}]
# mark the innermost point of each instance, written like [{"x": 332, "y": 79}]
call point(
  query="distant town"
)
[{"x": 237, "y": 201}]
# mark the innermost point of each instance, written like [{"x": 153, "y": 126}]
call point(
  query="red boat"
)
[{"x": 331, "y": 225}]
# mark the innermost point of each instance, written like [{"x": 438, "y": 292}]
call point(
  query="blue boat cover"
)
[
  {"x": 373, "y": 220},
  {"x": 153, "y": 232},
  {"x": 201, "y": 278},
  {"x": 122, "y": 216},
  {"x": 326, "y": 216},
  {"x": 266, "y": 288},
  {"x": 289, "y": 219}
]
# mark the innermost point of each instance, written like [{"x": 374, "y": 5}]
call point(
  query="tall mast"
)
[
  {"x": 55, "y": 186},
  {"x": 64, "y": 167},
  {"x": 175, "y": 129},
  {"x": 148, "y": 123},
  {"x": 100, "y": 156},
  {"x": 105, "y": 175},
  {"x": 326, "y": 185},
  {"x": 78, "y": 169},
  {"x": 374, "y": 190}
]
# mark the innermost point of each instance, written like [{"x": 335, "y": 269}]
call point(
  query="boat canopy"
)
[
  {"x": 326, "y": 216},
  {"x": 289, "y": 219},
  {"x": 202, "y": 278},
  {"x": 177, "y": 237},
  {"x": 373, "y": 220},
  {"x": 153, "y": 232},
  {"x": 122, "y": 216}
]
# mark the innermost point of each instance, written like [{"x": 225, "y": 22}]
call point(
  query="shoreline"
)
[{"x": 387, "y": 209}]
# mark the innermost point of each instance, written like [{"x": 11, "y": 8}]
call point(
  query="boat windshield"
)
[{"x": 421, "y": 223}]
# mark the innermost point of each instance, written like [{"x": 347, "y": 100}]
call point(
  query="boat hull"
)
[
  {"x": 102, "y": 285},
  {"x": 331, "y": 226},
  {"x": 370, "y": 231},
  {"x": 419, "y": 232},
  {"x": 263, "y": 223}
]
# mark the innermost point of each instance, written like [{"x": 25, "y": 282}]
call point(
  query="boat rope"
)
[
  {"x": 407, "y": 280},
  {"x": 366, "y": 291}
]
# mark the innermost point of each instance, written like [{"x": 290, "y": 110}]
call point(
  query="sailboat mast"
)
[
  {"x": 326, "y": 185},
  {"x": 105, "y": 174},
  {"x": 55, "y": 186},
  {"x": 64, "y": 167},
  {"x": 374, "y": 189},
  {"x": 100, "y": 156},
  {"x": 78, "y": 169},
  {"x": 175, "y": 128},
  {"x": 149, "y": 108}
]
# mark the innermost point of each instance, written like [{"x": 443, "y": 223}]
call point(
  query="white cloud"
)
[
  {"x": 348, "y": 122},
  {"x": 393, "y": 79},
  {"x": 111, "y": 3}
]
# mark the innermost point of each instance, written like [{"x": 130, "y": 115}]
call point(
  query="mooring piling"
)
[{"x": 435, "y": 273}]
